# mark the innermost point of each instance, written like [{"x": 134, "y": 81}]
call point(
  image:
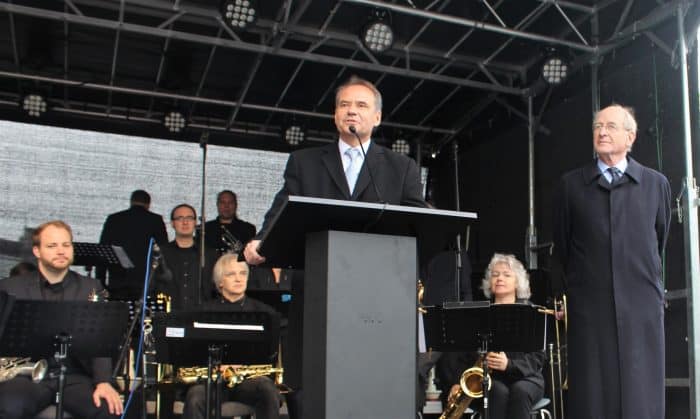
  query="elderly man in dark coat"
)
[{"x": 611, "y": 221}]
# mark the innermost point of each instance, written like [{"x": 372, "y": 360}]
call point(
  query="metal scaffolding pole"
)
[
  {"x": 690, "y": 230},
  {"x": 531, "y": 246}
]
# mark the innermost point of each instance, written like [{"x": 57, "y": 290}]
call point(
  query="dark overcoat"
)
[{"x": 610, "y": 239}]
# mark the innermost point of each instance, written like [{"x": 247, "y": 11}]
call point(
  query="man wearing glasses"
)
[
  {"x": 611, "y": 221},
  {"x": 180, "y": 275}
]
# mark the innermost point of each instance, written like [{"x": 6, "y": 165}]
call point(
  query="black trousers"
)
[
  {"x": 259, "y": 392},
  {"x": 513, "y": 400},
  {"x": 21, "y": 398}
]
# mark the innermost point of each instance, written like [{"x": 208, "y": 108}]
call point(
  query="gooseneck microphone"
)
[{"x": 369, "y": 169}]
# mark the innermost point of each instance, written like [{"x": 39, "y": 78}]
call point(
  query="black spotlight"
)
[
  {"x": 378, "y": 35},
  {"x": 34, "y": 105},
  {"x": 239, "y": 13},
  {"x": 294, "y": 135},
  {"x": 174, "y": 121},
  {"x": 555, "y": 69}
]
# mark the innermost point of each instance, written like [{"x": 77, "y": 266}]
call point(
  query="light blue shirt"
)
[
  {"x": 621, "y": 165},
  {"x": 343, "y": 146}
]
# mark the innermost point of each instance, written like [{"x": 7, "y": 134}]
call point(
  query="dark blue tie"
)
[{"x": 615, "y": 174}]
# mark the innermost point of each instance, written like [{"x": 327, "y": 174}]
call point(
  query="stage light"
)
[
  {"x": 294, "y": 135},
  {"x": 378, "y": 35},
  {"x": 174, "y": 121},
  {"x": 401, "y": 146},
  {"x": 554, "y": 70},
  {"x": 238, "y": 13},
  {"x": 34, "y": 104}
]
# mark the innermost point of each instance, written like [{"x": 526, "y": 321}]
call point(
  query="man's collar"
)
[
  {"x": 343, "y": 146},
  {"x": 621, "y": 165},
  {"x": 45, "y": 282},
  {"x": 633, "y": 170}
]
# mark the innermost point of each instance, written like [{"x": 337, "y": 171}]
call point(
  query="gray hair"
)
[
  {"x": 357, "y": 81},
  {"x": 629, "y": 123},
  {"x": 218, "y": 271},
  {"x": 522, "y": 279}
]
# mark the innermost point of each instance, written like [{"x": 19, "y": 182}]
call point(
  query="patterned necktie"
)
[
  {"x": 615, "y": 175},
  {"x": 352, "y": 171}
]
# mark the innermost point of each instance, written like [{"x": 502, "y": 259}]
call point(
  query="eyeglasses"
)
[
  {"x": 184, "y": 218},
  {"x": 610, "y": 127}
]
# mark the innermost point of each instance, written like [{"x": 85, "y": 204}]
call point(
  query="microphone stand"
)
[
  {"x": 369, "y": 170},
  {"x": 458, "y": 247},
  {"x": 371, "y": 178},
  {"x": 138, "y": 310},
  {"x": 203, "y": 140}
]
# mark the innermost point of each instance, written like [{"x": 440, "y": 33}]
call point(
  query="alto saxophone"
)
[
  {"x": 470, "y": 388},
  {"x": 231, "y": 375},
  {"x": 12, "y": 367}
]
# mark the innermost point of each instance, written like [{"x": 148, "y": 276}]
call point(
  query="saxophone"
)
[
  {"x": 231, "y": 375},
  {"x": 12, "y": 367},
  {"x": 470, "y": 388}
]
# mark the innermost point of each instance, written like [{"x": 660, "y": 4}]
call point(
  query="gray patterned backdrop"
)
[{"x": 82, "y": 176}]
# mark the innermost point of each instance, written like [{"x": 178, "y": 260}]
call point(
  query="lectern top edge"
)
[{"x": 379, "y": 206}]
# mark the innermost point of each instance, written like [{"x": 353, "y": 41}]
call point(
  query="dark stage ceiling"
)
[{"x": 456, "y": 67}]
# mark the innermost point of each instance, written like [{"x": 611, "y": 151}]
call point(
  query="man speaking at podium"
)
[
  {"x": 342, "y": 170},
  {"x": 339, "y": 170}
]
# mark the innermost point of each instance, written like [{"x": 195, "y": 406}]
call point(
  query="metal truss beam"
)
[
  {"x": 211, "y": 101},
  {"x": 253, "y": 48}
]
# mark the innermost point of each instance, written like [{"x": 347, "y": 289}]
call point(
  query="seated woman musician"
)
[
  {"x": 517, "y": 381},
  {"x": 231, "y": 278}
]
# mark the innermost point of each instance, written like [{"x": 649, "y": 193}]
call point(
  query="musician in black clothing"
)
[
  {"x": 88, "y": 391},
  {"x": 517, "y": 381},
  {"x": 228, "y": 233},
  {"x": 131, "y": 229},
  {"x": 179, "y": 273},
  {"x": 231, "y": 279}
]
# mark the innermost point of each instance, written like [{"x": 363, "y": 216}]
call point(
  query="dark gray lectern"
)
[{"x": 360, "y": 263}]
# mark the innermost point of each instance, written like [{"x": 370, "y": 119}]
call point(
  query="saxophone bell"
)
[
  {"x": 12, "y": 367},
  {"x": 470, "y": 388}
]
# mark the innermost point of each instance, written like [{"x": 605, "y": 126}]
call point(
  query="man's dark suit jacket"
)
[
  {"x": 318, "y": 172},
  {"x": 28, "y": 287},
  {"x": 131, "y": 229}
]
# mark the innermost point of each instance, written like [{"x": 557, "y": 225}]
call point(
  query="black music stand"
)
[
  {"x": 95, "y": 254},
  {"x": 215, "y": 337},
  {"x": 482, "y": 327},
  {"x": 45, "y": 329}
]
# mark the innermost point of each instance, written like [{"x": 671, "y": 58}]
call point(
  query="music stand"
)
[
  {"x": 45, "y": 329},
  {"x": 215, "y": 337},
  {"x": 481, "y": 326},
  {"x": 95, "y": 254}
]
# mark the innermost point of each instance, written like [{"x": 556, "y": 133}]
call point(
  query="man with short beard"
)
[{"x": 88, "y": 392}]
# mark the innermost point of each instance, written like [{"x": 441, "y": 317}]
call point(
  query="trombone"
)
[{"x": 558, "y": 355}]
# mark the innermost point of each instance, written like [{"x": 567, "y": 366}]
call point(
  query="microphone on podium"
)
[{"x": 369, "y": 169}]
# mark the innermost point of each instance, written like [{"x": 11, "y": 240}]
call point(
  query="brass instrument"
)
[
  {"x": 470, "y": 388},
  {"x": 421, "y": 293},
  {"x": 232, "y": 376},
  {"x": 12, "y": 367},
  {"x": 557, "y": 356},
  {"x": 97, "y": 296},
  {"x": 233, "y": 245}
]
